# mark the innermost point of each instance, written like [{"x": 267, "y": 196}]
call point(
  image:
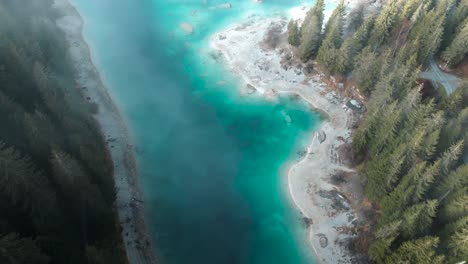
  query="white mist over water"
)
[{"x": 209, "y": 159}]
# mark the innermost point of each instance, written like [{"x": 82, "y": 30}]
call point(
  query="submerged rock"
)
[
  {"x": 287, "y": 118},
  {"x": 225, "y": 6},
  {"x": 221, "y": 37},
  {"x": 186, "y": 27},
  {"x": 250, "y": 89}
]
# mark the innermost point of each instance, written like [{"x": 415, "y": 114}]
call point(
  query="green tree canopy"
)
[
  {"x": 458, "y": 49},
  {"x": 311, "y": 31}
]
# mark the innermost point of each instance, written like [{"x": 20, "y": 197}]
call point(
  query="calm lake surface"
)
[{"x": 212, "y": 163}]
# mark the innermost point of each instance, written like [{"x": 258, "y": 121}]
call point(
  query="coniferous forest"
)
[
  {"x": 56, "y": 175},
  {"x": 411, "y": 144},
  {"x": 56, "y": 184}
]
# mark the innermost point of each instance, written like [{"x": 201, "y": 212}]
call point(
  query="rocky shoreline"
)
[
  {"x": 129, "y": 202},
  {"x": 322, "y": 185}
]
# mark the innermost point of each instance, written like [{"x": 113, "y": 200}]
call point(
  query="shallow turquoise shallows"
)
[{"x": 212, "y": 163}]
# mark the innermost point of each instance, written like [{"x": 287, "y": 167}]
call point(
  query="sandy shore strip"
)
[
  {"x": 258, "y": 52},
  {"x": 129, "y": 201}
]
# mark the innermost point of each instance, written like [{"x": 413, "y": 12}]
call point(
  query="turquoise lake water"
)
[{"x": 212, "y": 163}]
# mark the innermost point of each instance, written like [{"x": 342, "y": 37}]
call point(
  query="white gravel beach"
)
[{"x": 261, "y": 64}]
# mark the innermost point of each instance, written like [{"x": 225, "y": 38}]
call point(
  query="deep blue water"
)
[{"x": 211, "y": 162}]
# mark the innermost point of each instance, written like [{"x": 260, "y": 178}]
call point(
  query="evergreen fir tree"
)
[
  {"x": 385, "y": 23},
  {"x": 328, "y": 53},
  {"x": 455, "y": 240},
  {"x": 385, "y": 237},
  {"x": 367, "y": 71},
  {"x": 458, "y": 49},
  {"x": 293, "y": 33},
  {"x": 422, "y": 250},
  {"x": 311, "y": 31},
  {"x": 426, "y": 35},
  {"x": 355, "y": 19},
  {"x": 455, "y": 205},
  {"x": 352, "y": 46},
  {"x": 14, "y": 249},
  {"x": 24, "y": 185},
  {"x": 418, "y": 218},
  {"x": 454, "y": 22},
  {"x": 410, "y": 8},
  {"x": 455, "y": 180},
  {"x": 401, "y": 197},
  {"x": 424, "y": 181},
  {"x": 450, "y": 157},
  {"x": 458, "y": 245}
]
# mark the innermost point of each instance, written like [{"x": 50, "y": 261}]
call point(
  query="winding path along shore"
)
[
  {"x": 129, "y": 201},
  {"x": 257, "y": 51}
]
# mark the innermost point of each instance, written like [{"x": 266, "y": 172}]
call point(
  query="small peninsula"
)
[{"x": 257, "y": 50}]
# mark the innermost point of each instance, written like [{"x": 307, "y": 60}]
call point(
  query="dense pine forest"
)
[
  {"x": 412, "y": 141},
  {"x": 56, "y": 184}
]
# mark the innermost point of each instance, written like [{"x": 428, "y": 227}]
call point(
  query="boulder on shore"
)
[
  {"x": 323, "y": 240},
  {"x": 321, "y": 136}
]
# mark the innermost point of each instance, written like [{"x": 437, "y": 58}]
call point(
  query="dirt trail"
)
[{"x": 434, "y": 74}]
